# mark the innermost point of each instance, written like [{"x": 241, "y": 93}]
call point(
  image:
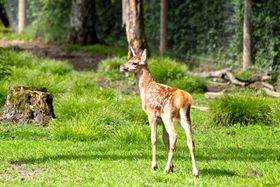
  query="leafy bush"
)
[
  {"x": 229, "y": 110},
  {"x": 172, "y": 73},
  {"x": 109, "y": 68},
  {"x": 5, "y": 70},
  {"x": 98, "y": 49},
  {"x": 165, "y": 69},
  {"x": 190, "y": 83}
]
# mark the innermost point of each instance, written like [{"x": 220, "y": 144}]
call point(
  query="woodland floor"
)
[{"x": 81, "y": 61}]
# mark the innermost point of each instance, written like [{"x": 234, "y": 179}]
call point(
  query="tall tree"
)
[
  {"x": 247, "y": 34},
  {"x": 134, "y": 25},
  {"x": 3, "y": 15},
  {"x": 21, "y": 15},
  {"x": 82, "y": 22},
  {"x": 163, "y": 25}
]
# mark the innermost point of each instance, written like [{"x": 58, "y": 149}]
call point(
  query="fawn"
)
[{"x": 162, "y": 101}]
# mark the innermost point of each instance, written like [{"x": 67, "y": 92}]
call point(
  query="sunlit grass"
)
[{"x": 101, "y": 137}]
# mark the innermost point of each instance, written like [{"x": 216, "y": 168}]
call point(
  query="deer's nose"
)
[{"x": 123, "y": 68}]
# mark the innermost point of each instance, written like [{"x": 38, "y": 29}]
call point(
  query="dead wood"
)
[
  {"x": 212, "y": 95},
  {"x": 270, "y": 92},
  {"x": 233, "y": 80},
  {"x": 227, "y": 76},
  {"x": 201, "y": 108},
  {"x": 28, "y": 105}
]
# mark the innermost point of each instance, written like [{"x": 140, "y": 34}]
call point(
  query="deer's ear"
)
[
  {"x": 132, "y": 51},
  {"x": 143, "y": 57}
]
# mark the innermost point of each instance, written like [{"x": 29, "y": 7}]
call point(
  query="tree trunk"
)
[
  {"x": 28, "y": 105},
  {"x": 134, "y": 25},
  {"x": 163, "y": 25},
  {"x": 82, "y": 22},
  {"x": 3, "y": 15},
  {"x": 247, "y": 34},
  {"x": 21, "y": 15}
]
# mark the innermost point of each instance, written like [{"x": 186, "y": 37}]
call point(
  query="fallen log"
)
[
  {"x": 212, "y": 95},
  {"x": 215, "y": 74},
  {"x": 201, "y": 108},
  {"x": 270, "y": 92},
  {"x": 227, "y": 75},
  {"x": 233, "y": 80},
  {"x": 268, "y": 86}
]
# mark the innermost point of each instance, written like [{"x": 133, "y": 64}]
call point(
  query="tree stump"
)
[{"x": 28, "y": 105}]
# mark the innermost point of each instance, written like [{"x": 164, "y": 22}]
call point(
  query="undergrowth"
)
[
  {"x": 164, "y": 70},
  {"x": 234, "y": 109},
  {"x": 85, "y": 111},
  {"x": 97, "y": 49}
]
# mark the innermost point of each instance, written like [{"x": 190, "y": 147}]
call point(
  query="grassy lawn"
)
[
  {"x": 101, "y": 137},
  {"x": 228, "y": 157}
]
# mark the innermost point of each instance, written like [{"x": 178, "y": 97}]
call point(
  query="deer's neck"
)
[{"x": 144, "y": 78}]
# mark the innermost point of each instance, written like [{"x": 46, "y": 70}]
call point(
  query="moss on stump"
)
[{"x": 28, "y": 105}]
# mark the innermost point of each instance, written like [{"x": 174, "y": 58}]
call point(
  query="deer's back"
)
[{"x": 160, "y": 99}]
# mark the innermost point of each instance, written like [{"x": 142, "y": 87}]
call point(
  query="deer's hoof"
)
[
  {"x": 168, "y": 169},
  {"x": 195, "y": 173},
  {"x": 154, "y": 167}
]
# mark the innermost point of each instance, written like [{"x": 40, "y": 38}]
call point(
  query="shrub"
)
[
  {"x": 229, "y": 110},
  {"x": 98, "y": 49},
  {"x": 190, "y": 83},
  {"x": 172, "y": 73},
  {"x": 109, "y": 68},
  {"x": 164, "y": 69},
  {"x": 5, "y": 70}
]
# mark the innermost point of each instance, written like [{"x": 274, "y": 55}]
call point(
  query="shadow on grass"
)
[
  {"x": 239, "y": 154},
  {"x": 134, "y": 153}
]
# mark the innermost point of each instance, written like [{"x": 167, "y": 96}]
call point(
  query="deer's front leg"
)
[{"x": 153, "y": 125}]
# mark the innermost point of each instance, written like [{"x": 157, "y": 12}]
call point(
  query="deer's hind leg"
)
[
  {"x": 169, "y": 127},
  {"x": 165, "y": 138},
  {"x": 186, "y": 124}
]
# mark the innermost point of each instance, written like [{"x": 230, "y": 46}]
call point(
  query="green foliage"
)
[
  {"x": 5, "y": 70},
  {"x": 168, "y": 71},
  {"x": 191, "y": 83},
  {"x": 243, "y": 75},
  {"x": 98, "y": 49},
  {"x": 50, "y": 19},
  {"x": 109, "y": 68},
  {"x": 195, "y": 30},
  {"x": 100, "y": 131},
  {"x": 28, "y": 70},
  {"x": 229, "y": 110}
]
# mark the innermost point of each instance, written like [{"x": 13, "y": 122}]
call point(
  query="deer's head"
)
[{"x": 136, "y": 63}]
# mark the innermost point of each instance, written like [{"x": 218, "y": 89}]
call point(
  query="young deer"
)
[{"x": 162, "y": 101}]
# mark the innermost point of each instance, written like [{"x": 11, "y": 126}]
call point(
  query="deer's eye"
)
[{"x": 134, "y": 63}]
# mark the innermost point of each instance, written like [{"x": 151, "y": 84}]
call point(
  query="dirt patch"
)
[
  {"x": 22, "y": 170},
  {"x": 80, "y": 61}
]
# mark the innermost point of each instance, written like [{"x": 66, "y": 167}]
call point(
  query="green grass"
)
[
  {"x": 97, "y": 49},
  {"x": 125, "y": 160},
  {"x": 101, "y": 137},
  {"x": 163, "y": 69},
  {"x": 243, "y": 109}
]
